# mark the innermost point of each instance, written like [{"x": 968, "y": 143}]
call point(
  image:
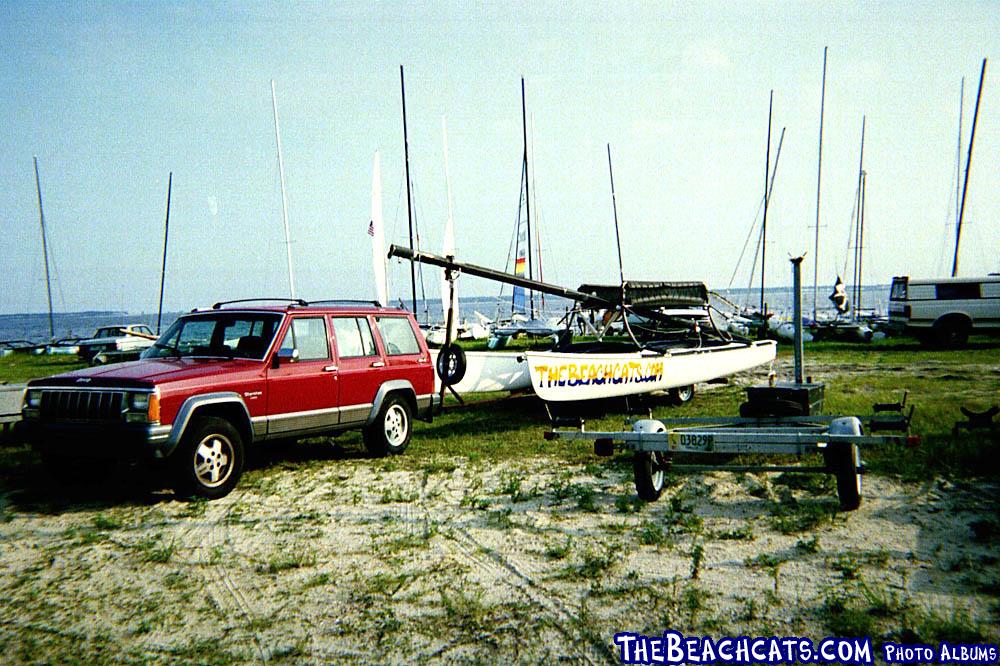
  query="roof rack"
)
[
  {"x": 293, "y": 301},
  {"x": 346, "y": 301}
]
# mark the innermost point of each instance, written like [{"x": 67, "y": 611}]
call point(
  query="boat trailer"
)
[
  {"x": 654, "y": 443},
  {"x": 777, "y": 419}
]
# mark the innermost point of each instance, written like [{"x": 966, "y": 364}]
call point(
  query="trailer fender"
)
[{"x": 648, "y": 426}]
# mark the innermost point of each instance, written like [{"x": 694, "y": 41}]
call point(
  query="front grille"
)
[{"x": 72, "y": 405}]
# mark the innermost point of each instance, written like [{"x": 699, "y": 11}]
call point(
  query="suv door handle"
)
[
  {"x": 378, "y": 364},
  {"x": 330, "y": 368}
]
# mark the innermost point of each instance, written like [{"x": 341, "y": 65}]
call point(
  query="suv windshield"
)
[{"x": 226, "y": 334}]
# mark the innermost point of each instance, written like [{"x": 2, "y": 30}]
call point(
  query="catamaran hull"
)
[
  {"x": 564, "y": 377},
  {"x": 489, "y": 371}
]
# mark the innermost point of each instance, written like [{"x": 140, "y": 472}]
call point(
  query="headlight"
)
[
  {"x": 144, "y": 407},
  {"x": 33, "y": 398}
]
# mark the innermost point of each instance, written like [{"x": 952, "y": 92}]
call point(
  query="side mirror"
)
[{"x": 285, "y": 356}]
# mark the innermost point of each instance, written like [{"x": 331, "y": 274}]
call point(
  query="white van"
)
[{"x": 945, "y": 311}]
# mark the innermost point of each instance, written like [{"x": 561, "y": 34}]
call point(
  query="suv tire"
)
[
  {"x": 389, "y": 434},
  {"x": 209, "y": 461},
  {"x": 951, "y": 331}
]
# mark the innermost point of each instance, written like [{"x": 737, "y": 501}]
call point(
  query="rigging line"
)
[
  {"x": 417, "y": 213},
  {"x": 760, "y": 206},
  {"x": 515, "y": 241},
  {"x": 753, "y": 269},
  {"x": 850, "y": 230}
]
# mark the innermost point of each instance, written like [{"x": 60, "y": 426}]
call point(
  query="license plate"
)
[{"x": 680, "y": 441}]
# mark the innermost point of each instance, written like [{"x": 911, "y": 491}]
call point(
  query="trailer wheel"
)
[
  {"x": 650, "y": 474},
  {"x": 682, "y": 394},
  {"x": 844, "y": 461}
]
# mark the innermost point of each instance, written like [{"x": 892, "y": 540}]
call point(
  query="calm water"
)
[{"x": 35, "y": 326}]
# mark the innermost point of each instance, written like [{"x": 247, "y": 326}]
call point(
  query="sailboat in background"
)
[
  {"x": 438, "y": 335},
  {"x": 524, "y": 318}
]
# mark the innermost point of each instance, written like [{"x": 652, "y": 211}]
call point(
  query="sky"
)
[{"x": 113, "y": 96}]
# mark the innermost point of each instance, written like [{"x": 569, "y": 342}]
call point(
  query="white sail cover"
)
[
  {"x": 449, "y": 296},
  {"x": 376, "y": 229}
]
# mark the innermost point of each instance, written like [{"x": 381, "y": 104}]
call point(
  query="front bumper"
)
[{"x": 119, "y": 441}]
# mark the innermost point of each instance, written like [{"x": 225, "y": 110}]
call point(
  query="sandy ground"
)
[{"x": 343, "y": 559}]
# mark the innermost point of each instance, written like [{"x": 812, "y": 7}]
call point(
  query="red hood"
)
[{"x": 148, "y": 372}]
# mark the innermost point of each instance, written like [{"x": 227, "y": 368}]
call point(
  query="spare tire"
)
[{"x": 451, "y": 364}]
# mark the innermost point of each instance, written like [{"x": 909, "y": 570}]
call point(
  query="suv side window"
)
[
  {"x": 308, "y": 335},
  {"x": 957, "y": 291},
  {"x": 354, "y": 337},
  {"x": 397, "y": 334}
]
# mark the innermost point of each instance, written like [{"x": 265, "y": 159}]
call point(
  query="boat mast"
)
[
  {"x": 861, "y": 238},
  {"x": 958, "y": 153},
  {"x": 763, "y": 230},
  {"x": 284, "y": 194},
  {"x": 819, "y": 173},
  {"x": 166, "y": 235},
  {"x": 45, "y": 248},
  {"x": 409, "y": 196},
  {"x": 856, "y": 288},
  {"x": 618, "y": 238},
  {"x": 527, "y": 194},
  {"x": 968, "y": 164}
]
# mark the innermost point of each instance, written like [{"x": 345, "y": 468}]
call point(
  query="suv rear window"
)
[
  {"x": 397, "y": 334},
  {"x": 354, "y": 337}
]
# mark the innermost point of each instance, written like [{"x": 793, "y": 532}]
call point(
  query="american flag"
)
[{"x": 371, "y": 228}]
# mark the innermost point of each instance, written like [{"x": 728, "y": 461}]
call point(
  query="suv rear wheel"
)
[
  {"x": 209, "y": 461},
  {"x": 951, "y": 331},
  {"x": 390, "y": 433}
]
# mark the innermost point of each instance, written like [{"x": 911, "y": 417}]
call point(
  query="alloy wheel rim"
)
[
  {"x": 395, "y": 425},
  {"x": 213, "y": 460}
]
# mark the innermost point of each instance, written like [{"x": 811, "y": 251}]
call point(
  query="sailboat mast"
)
[
  {"x": 861, "y": 238},
  {"x": 819, "y": 174},
  {"x": 968, "y": 165},
  {"x": 958, "y": 152},
  {"x": 284, "y": 194},
  {"x": 409, "y": 196},
  {"x": 527, "y": 193},
  {"x": 856, "y": 288},
  {"x": 618, "y": 238},
  {"x": 45, "y": 248},
  {"x": 166, "y": 235},
  {"x": 763, "y": 229}
]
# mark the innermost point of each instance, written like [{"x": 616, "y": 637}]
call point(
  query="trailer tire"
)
[
  {"x": 451, "y": 364},
  {"x": 682, "y": 394},
  {"x": 844, "y": 461},
  {"x": 650, "y": 471}
]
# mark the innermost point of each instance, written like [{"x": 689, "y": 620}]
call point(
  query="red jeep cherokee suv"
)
[{"x": 220, "y": 379}]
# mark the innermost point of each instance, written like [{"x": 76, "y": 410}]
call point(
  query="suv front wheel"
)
[
  {"x": 209, "y": 461},
  {"x": 389, "y": 433}
]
